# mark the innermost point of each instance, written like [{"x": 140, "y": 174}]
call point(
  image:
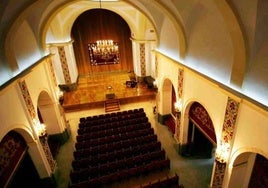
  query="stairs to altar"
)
[{"x": 111, "y": 105}]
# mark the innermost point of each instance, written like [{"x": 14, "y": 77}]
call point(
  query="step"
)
[{"x": 112, "y": 105}]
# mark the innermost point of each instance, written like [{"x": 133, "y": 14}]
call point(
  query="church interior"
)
[{"x": 133, "y": 93}]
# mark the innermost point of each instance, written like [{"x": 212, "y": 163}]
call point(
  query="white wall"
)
[
  {"x": 12, "y": 114},
  {"x": 251, "y": 126},
  {"x": 25, "y": 43},
  {"x": 167, "y": 69},
  {"x": 251, "y": 131},
  {"x": 71, "y": 62}
]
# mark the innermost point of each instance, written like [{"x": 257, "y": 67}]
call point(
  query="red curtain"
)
[
  {"x": 101, "y": 24},
  {"x": 12, "y": 149},
  {"x": 200, "y": 116}
]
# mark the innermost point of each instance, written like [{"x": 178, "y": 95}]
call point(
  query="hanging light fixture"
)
[
  {"x": 105, "y": 48},
  {"x": 104, "y": 52}
]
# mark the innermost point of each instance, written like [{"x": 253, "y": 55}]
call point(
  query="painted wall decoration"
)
[
  {"x": 156, "y": 67},
  {"x": 51, "y": 69},
  {"x": 51, "y": 161},
  {"x": 229, "y": 120},
  {"x": 180, "y": 83},
  {"x": 223, "y": 148},
  {"x": 64, "y": 65},
  {"x": 218, "y": 174},
  {"x": 27, "y": 98},
  {"x": 142, "y": 60}
]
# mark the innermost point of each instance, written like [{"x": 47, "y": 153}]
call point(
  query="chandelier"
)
[
  {"x": 105, "y": 47},
  {"x": 104, "y": 52}
]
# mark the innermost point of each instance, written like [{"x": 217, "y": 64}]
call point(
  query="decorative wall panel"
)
[
  {"x": 156, "y": 67},
  {"x": 180, "y": 83},
  {"x": 64, "y": 65},
  {"x": 52, "y": 72},
  {"x": 229, "y": 120},
  {"x": 51, "y": 161},
  {"x": 228, "y": 129},
  {"x": 142, "y": 60},
  {"x": 27, "y": 99},
  {"x": 218, "y": 174}
]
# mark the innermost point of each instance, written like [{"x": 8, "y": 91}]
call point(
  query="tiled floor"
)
[{"x": 193, "y": 173}]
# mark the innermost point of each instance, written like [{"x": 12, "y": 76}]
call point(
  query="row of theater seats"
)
[
  {"x": 103, "y": 145},
  {"x": 115, "y": 115},
  {"x": 146, "y": 162},
  {"x": 168, "y": 182},
  {"x": 110, "y": 178},
  {"x": 98, "y": 126},
  {"x": 143, "y": 124},
  {"x": 114, "y": 141},
  {"x": 117, "y": 150},
  {"x": 130, "y": 153},
  {"x": 111, "y": 154},
  {"x": 86, "y": 122}
]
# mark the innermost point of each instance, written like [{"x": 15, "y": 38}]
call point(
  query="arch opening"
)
[
  {"x": 201, "y": 137},
  {"x": 47, "y": 116},
  {"x": 249, "y": 169},
  {"x": 16, "y": 163},
  {"x": 101, "y": 24}
]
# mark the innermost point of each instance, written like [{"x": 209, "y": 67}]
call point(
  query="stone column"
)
[
  {"x": 143, "y": 58},
  {"x": 63, "y": 63}
]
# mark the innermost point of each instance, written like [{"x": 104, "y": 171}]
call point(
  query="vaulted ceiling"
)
[{"x": 224, "y": 40}]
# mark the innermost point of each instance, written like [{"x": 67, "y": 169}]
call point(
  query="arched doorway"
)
[
  {"x": 47, "y": 115},
  {"x": 249, "y": 170},
  {"x": 201, "y": 138},
  {"x": 168, "y": 98},
  {"x": 16, "y": 165}
]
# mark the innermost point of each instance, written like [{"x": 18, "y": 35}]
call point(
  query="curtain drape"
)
[{"x": 101, "y": 24}]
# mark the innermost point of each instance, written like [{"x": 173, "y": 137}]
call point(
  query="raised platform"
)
[{"x": 92, "y": 91}]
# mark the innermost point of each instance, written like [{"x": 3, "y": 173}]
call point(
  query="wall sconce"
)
[
  {"x": 40, "y": 128},
  {"x": 222, "y": 152},
  {"x": 155, "y": 84},
  {"x": 59, "y": 94},
  {"x": 178, "y": 106}
]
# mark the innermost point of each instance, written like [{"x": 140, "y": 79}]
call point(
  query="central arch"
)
[{"x": 101, "y": 24}]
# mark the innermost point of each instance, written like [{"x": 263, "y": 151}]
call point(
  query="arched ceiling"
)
[
  {"x": 224, "y": 40},
  {"x": 57, "y": 17},
  {"x": 61, "y": 21}
]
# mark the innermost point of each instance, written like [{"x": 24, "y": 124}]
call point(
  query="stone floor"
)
[{"x": 193, "y": 172}]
